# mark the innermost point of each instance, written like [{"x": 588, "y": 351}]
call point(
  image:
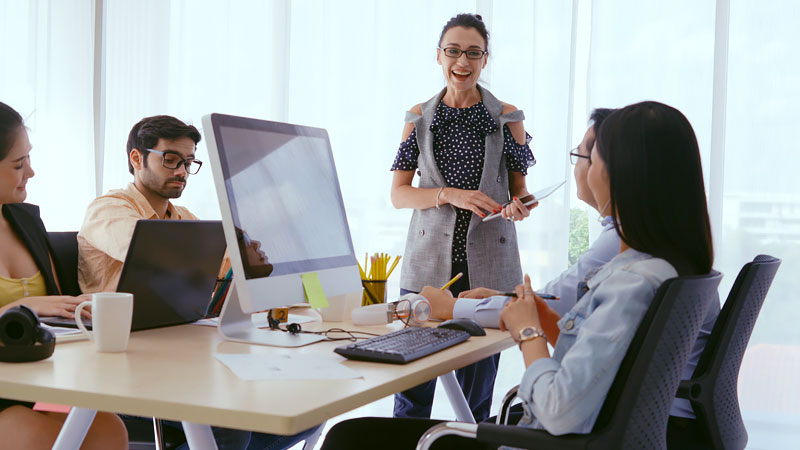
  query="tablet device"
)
[{"x": 529, "y": 200}]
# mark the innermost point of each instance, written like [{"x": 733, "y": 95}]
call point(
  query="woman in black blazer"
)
[{"x": 28, "y": 277}]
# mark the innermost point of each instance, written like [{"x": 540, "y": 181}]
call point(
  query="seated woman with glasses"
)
[
  {"x": 471, "y": 152},
  {"x": 646, "y": 166},
  {"x": 28, "y": 277}
]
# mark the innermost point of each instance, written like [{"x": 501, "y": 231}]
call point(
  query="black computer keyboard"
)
[{"x": 402, "y": 346}]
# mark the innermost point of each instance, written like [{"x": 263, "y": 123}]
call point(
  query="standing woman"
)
[
  {"x": 471, "y": 152},
  {"x": 646, "y": 166},
  {"x": 28, "y": 277}
]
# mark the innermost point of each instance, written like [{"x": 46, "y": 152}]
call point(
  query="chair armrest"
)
[
  {"x": 521, "y": 437},
  {"x": 467, "y": 430},
  {"x": 502, "y": 418},
  {"x": 685, "y": 389}
]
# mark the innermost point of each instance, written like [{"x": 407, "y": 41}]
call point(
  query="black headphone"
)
[
  {"x": 22, "y": 338},
  {"x": 275, "y": 324}
]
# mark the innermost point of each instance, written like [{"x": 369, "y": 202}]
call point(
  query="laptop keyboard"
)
[{"x": 57, "y": 321}]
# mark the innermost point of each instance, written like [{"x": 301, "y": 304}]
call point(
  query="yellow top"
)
[{"x": 13, "y": 289}]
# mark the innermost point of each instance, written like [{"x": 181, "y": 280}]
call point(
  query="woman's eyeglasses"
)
[
  {"x": 454, "y": 52},
  {"x": 574, "y": 156}
]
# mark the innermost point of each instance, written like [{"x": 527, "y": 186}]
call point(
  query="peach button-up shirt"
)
[{"x": 106, "y": 234}]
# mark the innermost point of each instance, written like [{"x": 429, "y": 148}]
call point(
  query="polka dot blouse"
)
[{"x": 459, "y": 139}]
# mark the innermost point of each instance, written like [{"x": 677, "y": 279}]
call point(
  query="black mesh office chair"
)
[
  {"x": 713, "y": 387},
  {"x": 65, "y": 258},
  {"x": 635, "y": 412}
]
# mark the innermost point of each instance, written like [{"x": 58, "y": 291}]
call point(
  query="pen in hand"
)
[{"x": 543, "y": 296}]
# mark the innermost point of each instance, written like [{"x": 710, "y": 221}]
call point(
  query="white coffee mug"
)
[{"x": 111, "y": 320}]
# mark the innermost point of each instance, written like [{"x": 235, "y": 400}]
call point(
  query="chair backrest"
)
[
  {"x": 713, "y": 389},
  {"x": 65, "y": 257},
  {"x": 636, "y": 409}
]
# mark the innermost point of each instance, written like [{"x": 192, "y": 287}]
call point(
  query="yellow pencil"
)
[
  {"x": 394, "y": 264},
  {"x": 455, "y": 278},
  {"x": 361, "y": 271}
]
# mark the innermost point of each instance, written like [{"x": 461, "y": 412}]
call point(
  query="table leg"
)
[
  {"x": 75, "y": 428},
  {"x": 456, "y": 397},
  {"x": 199, "y": 437}
]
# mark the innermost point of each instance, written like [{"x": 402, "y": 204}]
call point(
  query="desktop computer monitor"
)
[{"x": 283, "y": 216}]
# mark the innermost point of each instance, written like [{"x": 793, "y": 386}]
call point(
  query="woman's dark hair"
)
[
  {"x": 145, "y": 134},
  {"x": 656, "y": 183},
  {"x": 10, "y": 124},
  {"x": 467, "y": 21}
]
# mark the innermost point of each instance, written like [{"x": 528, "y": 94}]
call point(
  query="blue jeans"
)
[{"x": 476, "y": 380}]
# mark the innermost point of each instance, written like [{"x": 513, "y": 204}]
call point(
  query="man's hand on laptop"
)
[{"x": 56, "y": 305}]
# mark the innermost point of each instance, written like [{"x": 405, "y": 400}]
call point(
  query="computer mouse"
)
[{"x": 470, "y": 326}]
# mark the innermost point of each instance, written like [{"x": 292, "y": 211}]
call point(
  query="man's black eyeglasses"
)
[
  {"x": 454, "y": 52},
  {"x": 574, "y": 156},
  {"x": 172, "y": 160}
]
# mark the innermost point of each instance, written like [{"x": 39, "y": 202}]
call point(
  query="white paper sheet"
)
[{"x": 253, "y": 367}]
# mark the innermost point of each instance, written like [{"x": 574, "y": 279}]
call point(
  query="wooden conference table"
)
[{"x": 170, "y": 373}]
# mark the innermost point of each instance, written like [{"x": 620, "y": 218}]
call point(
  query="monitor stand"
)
[{"x": 236, "y": 325}]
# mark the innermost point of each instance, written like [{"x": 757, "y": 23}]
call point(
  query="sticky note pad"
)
[{"x": 313, "y": 288}]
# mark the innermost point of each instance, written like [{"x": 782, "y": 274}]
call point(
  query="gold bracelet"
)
[{"x": 437, "y": 196}]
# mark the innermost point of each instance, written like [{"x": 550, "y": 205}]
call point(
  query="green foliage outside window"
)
[{"x": 578, "y": 234}]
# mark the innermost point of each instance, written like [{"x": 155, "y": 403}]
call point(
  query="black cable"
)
[{"x": 295, "y": 328}]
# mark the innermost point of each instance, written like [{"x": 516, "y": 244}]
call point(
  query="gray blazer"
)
[{"x": 492, "y": 251}]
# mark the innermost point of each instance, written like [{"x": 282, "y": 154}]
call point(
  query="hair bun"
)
[{"x": 479, "y": 17}]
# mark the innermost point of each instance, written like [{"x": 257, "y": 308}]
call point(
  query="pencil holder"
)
[{"x": 374, "y": 292}]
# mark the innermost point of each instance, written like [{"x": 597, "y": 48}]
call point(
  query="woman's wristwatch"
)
[{"x": 529, "y": 333}]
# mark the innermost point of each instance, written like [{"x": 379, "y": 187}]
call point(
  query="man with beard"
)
[{"x": 161, "y": 156}]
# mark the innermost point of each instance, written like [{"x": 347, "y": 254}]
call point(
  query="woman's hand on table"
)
[
  {"x": 480, "y": 292},
  {"x": 56, "y": 305},
  {"x": 442, "y": 302}
]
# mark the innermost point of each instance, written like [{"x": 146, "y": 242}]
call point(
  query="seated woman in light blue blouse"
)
[
  {"x": 646, "y": 166},
  {"x": 485, "y": 305}
]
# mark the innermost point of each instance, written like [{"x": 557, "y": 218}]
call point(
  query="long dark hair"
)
[
  {"x": 10, "y": 124},
  {"x": 656, "y": 182}
]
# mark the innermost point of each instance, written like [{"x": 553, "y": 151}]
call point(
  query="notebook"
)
[{"x": 171, "y": 269}]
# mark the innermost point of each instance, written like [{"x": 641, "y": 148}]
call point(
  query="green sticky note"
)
[{"x": 313, "y": 288}]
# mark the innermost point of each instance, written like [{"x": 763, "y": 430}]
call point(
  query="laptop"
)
[{"x": 171, "y": 269}]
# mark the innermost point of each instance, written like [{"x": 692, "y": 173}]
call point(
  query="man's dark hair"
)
[
  {"x": 10, "y": 124},
  {"x": 467, "y": 21},
  {"x": 598, "y": 116},
  {"x": 145, "y": 134},
  {"x": 656, "y": 185}
]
